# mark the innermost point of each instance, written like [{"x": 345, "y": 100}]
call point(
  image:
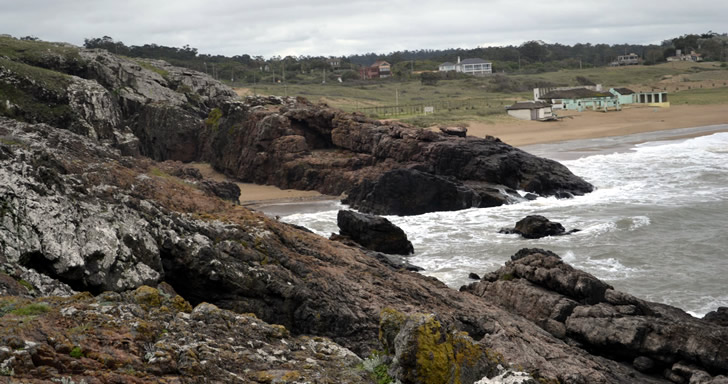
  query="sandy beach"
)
[
  {"x": 253, "y": 195},
  {"x": 574, "y": 126},
  {"x": 590, "y": 124}
]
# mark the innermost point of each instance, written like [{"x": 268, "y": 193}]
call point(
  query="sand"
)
[
  {"x": 584, "y": 125},
  {"x": 590, "y": 124},
  {"x": 253, "y": 195}
]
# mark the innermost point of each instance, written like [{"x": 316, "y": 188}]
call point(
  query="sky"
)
[{"x": 341, "y": 28}]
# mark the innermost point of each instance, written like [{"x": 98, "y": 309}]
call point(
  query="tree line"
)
[{"x": 529, "y": 57}]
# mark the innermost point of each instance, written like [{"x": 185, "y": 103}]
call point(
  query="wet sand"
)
[{"x": 590, "y": 124}]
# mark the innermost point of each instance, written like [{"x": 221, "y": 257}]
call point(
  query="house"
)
[
  {"x": 447, "y": 67},
  {"x": 334, "y": 63},
  {"x": 624, "y": 95},
  {"x": 579, "y": 99},
  {"x": 475, "y": 67},
  {"x": 631, "y": 59},
  {"x": 380, "y": 69},
  {"x": 530, "y": 110},
  {"x": 679, "y": 56},
  {"x": 653, "y": 99}
]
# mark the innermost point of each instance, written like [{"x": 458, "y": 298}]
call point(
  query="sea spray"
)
[{"x": 654, "y": 227}]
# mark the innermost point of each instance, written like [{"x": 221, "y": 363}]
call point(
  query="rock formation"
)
[
  {"x": 374, "y": 232},
  {"x": 536, "y": 227},
  {"x": 163, "y": 112},
  {"x": 578, "y": 308}
]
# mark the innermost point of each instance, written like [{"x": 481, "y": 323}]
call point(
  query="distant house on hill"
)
[
  {"x": 579, "y": 99},
  {"x": 679, "y": 56},
  {"x": 475, "y": 67},
  {"x": 631, "y": 59},
  {"x": 530, "y": 110},
  {"x": 334, "y": 63},
  {"x": 380, "y": 69}
]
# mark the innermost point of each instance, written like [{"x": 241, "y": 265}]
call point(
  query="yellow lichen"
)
[
  {"x": 147, "y": 296},
  {"x": 181, "y": 305}
]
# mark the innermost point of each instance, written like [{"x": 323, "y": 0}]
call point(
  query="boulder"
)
[
  {"x": 455, "y": 131},
  {"x": 719, "y": 316},
  {"x": 374, "y": 232},
  {"x": 225, "y": 190},
  {"x": 536, "y": 227},
  {"x": 575, "y": 306},
  {"x": 411, "y": 192}
]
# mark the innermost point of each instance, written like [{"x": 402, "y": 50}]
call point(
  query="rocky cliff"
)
[
  {"x": 151, "y": 108},
  {"x": 77, "y": 214}
]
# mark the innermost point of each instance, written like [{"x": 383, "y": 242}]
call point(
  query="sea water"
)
[{"x": 655, "y": 227}]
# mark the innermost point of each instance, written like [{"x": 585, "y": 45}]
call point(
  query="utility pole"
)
[
  {"x": 324, "y": 77},
  {"x": 283, "y": 71},
  {"x": 396, "y": 96}
]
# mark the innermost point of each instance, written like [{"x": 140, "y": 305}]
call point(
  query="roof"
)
[
  {"x": 578, "y": 93},
  {"x": 447, "y": 63},
  {"x": 379, "y": 63},
  {"x": 474, "y": 61},
  {"x": 528, "y": 105},
  {"x": 624, "y": 91}
]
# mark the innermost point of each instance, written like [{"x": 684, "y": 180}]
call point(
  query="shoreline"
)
[
  {"x": 578, "y": 135},
  {"x": 592, "y": 125}
]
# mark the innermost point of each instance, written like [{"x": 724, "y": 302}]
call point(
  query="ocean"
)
[{"x": 655, "y": 227}]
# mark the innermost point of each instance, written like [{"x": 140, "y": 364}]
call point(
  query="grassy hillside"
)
[{"x": 484, "y": 99}]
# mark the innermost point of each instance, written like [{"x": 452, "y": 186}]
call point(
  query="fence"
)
[{"x": 437, "y": 106}]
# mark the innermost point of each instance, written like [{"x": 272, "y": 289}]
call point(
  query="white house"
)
[
  {"x": 530, "y": 110},
  {"x": 447, "y": 67},
  {"x": 476, "y": 67}
]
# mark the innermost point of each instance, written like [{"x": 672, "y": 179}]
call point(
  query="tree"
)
[
  {"x": 654, "y": 56},
  {"x": 429, "y": 78}
]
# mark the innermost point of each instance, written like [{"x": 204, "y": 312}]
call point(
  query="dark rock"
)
[
  {"x": 523, "y": 252},
  {"x": 225, "y": 190},
  {"x": 536, "y": 227},
  {"x": 719, "y": 316},
  {"x": 374, "y": 232},
  {"x": 530, "y": 196},
  {"x": 571, "y": 303},
  {"x": 643, "y": 364},
  {"x": 455, "y": 131},
  {"x": 188, "y": 173},
  {"x": 412, "y": 192},
  {"x": 473, "y": 276}
]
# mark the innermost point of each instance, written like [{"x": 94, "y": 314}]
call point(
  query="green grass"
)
[
  {"x": 481, "y": 103},
  {"x": 41, "y": 53},
  {"x": 31, "y": 310},
  {"x": 76, "y": 352},
  {"x": 152, "y": 68},
  {"x": 700, "y": 96}
]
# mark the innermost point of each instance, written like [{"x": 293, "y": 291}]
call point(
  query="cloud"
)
[{"x": 318, "y": 27}]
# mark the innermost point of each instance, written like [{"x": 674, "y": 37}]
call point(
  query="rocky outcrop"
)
[
  {"x": 374, "y": 232},
  {"x": 455, "y": 131},
  {"x": 580, "y": 309},
  {"x": 412, "y": 192},
  {"x": 152, "y": 336},
  {"x": 294, "y": 144},
  {"x": 536, "y": 227},
  {"x": 90, "y": 219},
  {"x": 719, "y": 316},
  {"x": 151, "y": 108}
]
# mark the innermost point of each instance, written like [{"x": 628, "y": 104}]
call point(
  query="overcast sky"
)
[{"x": 318, "y": 27}]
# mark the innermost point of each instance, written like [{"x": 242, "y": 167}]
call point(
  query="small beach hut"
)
[{"x": 530, "y": 110}]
